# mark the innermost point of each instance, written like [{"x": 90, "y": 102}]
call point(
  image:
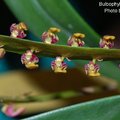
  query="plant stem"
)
[{"x": 19, "y": 46}]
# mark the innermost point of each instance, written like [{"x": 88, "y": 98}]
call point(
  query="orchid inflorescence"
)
[{"x": 30, "y": 59}]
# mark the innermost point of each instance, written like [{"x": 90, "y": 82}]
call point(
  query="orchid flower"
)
[
  {"x": 58, "y": 65},
  {"x": 107, "y": 42},
  {"x": 75, "y": 40},
  {"x": 50, "y": 36},
  {"x": 2, "y": 51},
  {"x": 17, "y": 30},
  {"x": 10, "y": 111},
  {"x": 92, "y": 69},
  {"x": 30, "y": 60}
]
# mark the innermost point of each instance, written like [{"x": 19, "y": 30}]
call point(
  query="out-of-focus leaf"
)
[
  {"x": 41, "y": 98},
  {"x": 102, "y": 109}
]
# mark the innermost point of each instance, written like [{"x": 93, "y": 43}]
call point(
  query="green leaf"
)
[
  {"x": 102, "y": 109},
  {"x": 19, "y": 46},
  {"x": 39, "y": 15}
]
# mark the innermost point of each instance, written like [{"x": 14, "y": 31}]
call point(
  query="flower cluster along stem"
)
[{"x": 73, "y": 50}]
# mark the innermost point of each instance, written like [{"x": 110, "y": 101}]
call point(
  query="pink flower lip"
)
[{"x": 10, "y": 111}]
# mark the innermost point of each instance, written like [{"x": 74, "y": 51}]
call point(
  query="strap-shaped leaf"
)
[{"x": 102, "y": 109}]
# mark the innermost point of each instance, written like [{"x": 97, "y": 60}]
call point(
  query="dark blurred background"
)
[
  {"x": 93, "y": 14},
  {"x": 102, "y": 23}
]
